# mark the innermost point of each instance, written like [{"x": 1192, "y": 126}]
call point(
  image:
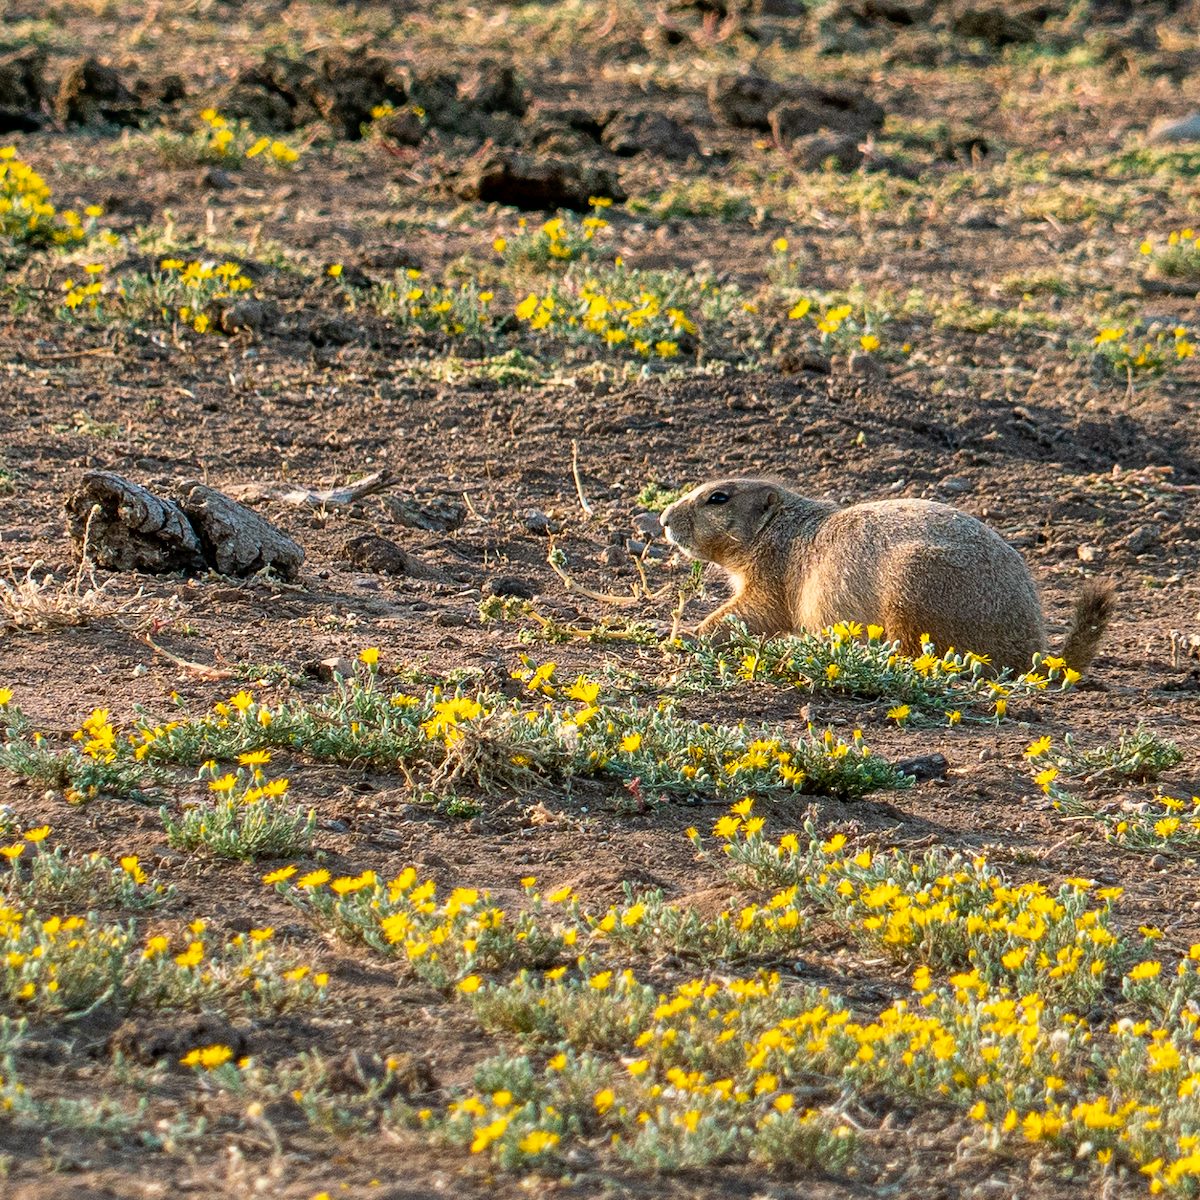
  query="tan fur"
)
[{"x": 913, "y": 566}]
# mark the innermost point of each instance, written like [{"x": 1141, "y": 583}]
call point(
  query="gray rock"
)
[
  {"x": 403, "y": 127},
  {"x": 537, "y": 521},
  {"x": 651, "y": 133},
  {"x": 122, "y": 526},
  {"x": 375, "y": 553},
  {"x": 536, "y": 182},
  {"x": 1142, "y": 539},
  {"x": 744, "y": 101},
  {"x": 648, "y": 524},
  {"x": 433, "y": 513},
  {"x": 1181, "y": 129},
  {"x": 217, "y": 180},
  {"x": 250, "y": 315},
  {"x": 955, "y": 485},
  {"x": 509, "y": 585},
  {"x": 865, "y": 365},
  {"x": 814, "y": 152},
  {"x": 235, "y": 539}
]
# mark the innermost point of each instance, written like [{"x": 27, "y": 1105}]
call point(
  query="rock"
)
[
  {"x": 651, "y": 133},
  {"x": 956, "y": 485},
  {"x": 813, "y": 153},
  {"x": 831, "y": 108},
  {"x": 433, "y": 513},
  {"x": 508, "y": 586},
  {"x": 926, "y": 766},
  {"x": 978, "y": 217},
  {"x": 451, "y": 620},
  {"x": 90, "y": 93},
  {"x": 235, "y": 539},
  {"x": 275, "y": 95},
  {"x": 329, "y": 669},
  {"x": 358, "y": 1071},
  {"x": 247, "y": 315},
  {"x": 22, "y": 90},
  {"x": 647, "y": 524},
  {"x": 148, "y": 1040},
  {"x": 537, "y": 183},
  {"x": 437, "y": 94},
  {"x": 640, "y": 549},
  {"x": 495, "y": 88},
  {"x": 375, "y": 553},
  {"x": 992, "y": 23},
  {"x": 1144, "y": 538},
  {"x": 403, "y": 127},
  {"x": 744, "y": 101},
  {"x": 166, "y": 90},
  {"x": 1087, "y": 554},
  {"x": 121, "y": 526},
  {"x": 795, "y": 362},
  {"x": 1181, "y": 129},
  {"x": 537, "y": 521},
  {"x": 331, "y": 331},
  {"x": 216, "y": 179},
  {"x": 865, "y": 365},
  {"x": 349, "y": 87}
]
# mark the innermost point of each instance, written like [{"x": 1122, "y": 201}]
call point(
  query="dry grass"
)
[{"x": 39, "y": 605}]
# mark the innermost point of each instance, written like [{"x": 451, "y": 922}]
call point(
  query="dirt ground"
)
[{"x": 991, "y": 407}]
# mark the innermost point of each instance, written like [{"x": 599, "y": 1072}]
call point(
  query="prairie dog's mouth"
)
[{"x": 669, "y": 534}]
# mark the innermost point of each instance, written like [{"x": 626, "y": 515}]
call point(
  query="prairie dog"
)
[{"x": 913, "y": 566}]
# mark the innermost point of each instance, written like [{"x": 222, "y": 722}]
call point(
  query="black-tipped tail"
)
[{"x": 1093, "y": 611}]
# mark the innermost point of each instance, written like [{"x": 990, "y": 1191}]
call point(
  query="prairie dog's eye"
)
[{"x": 717, "y": 498}]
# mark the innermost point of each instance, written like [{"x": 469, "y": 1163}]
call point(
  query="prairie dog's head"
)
[{"x": 718, "y": 521}]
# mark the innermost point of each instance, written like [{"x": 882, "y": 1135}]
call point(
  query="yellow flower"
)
[
  {"x": 899, "y": 714},
  {"x": 780, "y": 245},
  {"x": 129, "y": 864},
  {"x": 334, "y": 270},
  {"x": 1035, "y": 749},
  {"x": 1145, "y": 970},
  {"x": 726, "y": 827},
  {"x": 13, "y": 852},
  {"x": 207, "y": 1057},
  {"x": 799, "y": 309},
  {"x": 601, "y": 981},
  {"x": 279, "y": 876},
  {"x": 313, "y": 879},
  {"x": 255, "y": 758},
  {"x": 869, "y": 342},
  {"x": 1045, "y": 778},
  {"x": 6, "y": 696},
  {"x": 604, "y": 1100},
  {"x": 537, "y": 1141},
  {"x": 37, "y": 835}
]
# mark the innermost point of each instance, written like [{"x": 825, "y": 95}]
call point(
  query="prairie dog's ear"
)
[{"x": 771, "y": 497}]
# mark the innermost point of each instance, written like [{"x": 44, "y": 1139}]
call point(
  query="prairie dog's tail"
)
[{"x": 1093, "y": 611}]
